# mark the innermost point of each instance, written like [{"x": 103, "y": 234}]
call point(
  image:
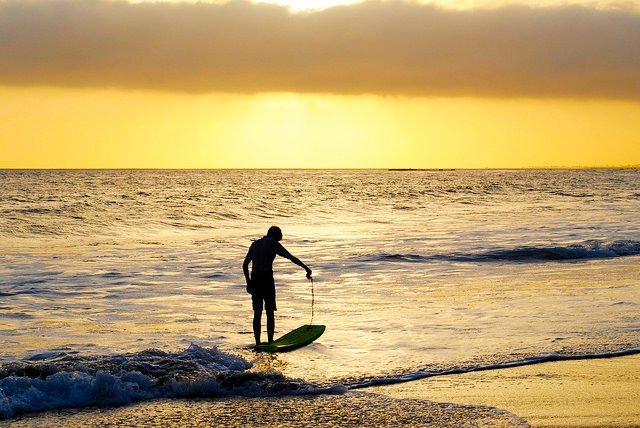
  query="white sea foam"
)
[
  {"x": 75, "y": 381},
  {"x": 61, "y": 382}
]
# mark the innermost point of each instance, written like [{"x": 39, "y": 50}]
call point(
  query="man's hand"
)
[
  {"x": 249, "y": 287},
  {"x": 308, "y": 273}
]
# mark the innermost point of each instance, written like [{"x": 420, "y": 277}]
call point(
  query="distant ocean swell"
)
[
  {"x": 586, "y": 250},
  {"x": 56, "y": 381}
]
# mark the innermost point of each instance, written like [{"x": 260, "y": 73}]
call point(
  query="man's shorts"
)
[{"x": 263, "y": 291}]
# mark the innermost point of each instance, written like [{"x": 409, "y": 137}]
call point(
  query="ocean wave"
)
[
  {"x": 586, "y": 250},
  {"x": 592, "y": 249},
  {"x": 399, "y": 257},
  {"x": 59, "y": 380}
]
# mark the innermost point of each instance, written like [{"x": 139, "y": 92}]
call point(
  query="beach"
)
[
  {"x": 349, "y": 410},
  {"x": 582, "y": 393},
  {"x": 125, "y": 288},
  {"x": 320, "y": 213}
]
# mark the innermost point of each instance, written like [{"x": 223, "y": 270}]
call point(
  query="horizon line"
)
[{"x": 390, "y": 169}]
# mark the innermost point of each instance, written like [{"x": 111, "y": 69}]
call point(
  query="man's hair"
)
[{"x": 274, "y": 232}]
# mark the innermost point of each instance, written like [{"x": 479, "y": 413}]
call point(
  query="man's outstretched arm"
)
[{"x": 281, "y": 251}]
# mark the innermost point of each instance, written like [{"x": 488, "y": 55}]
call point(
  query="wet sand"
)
[
  {"x": 354, "y": 409},
  {"x": 582, "y": 393}
]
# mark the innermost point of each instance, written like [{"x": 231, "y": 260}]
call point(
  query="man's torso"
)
[{"x": 263, "y": 252}]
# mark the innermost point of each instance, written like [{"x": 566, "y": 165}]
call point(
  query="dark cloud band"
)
[{"x": 373, "y": 47}]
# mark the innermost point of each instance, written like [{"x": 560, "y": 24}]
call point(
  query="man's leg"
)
[
  {"x": 257, "y": 320},
  {"x": 271, "y": 324}
]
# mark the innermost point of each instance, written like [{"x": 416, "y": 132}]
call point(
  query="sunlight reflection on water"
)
[{"x": 413, "y": 269}]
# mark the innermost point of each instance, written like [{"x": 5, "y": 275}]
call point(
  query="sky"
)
[{"x": 319, "y": 84}]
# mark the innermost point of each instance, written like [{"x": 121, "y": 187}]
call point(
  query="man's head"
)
[{"x": 274, "y": 232}]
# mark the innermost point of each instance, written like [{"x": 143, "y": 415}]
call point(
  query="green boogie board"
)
[{"x": 298, "y": 338}]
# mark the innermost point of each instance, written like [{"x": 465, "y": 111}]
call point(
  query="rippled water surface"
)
[{"x": 416, "y": 271}]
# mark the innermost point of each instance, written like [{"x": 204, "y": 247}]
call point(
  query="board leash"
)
[{"x": 313, "y": 301}]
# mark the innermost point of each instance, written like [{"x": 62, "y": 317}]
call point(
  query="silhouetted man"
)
[{"x": 260, "y": 284}]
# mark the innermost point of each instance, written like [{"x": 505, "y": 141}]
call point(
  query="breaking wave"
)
[
  {"x": 59, "y": 380},
  {"x": 54, "y": 381}
]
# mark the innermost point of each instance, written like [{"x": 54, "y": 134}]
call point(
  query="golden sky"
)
[{"x": 101, "y": 84}]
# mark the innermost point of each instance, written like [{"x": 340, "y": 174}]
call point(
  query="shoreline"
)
[
  {"x": 382, "y": 381},
  {"x": 567, "y": 393},
  {"x": 408, "y": 169}
]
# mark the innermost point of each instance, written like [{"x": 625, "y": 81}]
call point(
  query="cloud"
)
[{"x": 373, "y": 47}]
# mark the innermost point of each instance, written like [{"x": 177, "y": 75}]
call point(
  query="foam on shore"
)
[{"x": 56, "y": 381}]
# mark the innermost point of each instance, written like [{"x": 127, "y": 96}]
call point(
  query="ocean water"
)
[{"x": 126, "y": 285}]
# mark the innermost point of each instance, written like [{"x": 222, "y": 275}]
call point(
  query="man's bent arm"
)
[
  {"x": 281, "y": 251},
  {"x": 297, "y": 261}
]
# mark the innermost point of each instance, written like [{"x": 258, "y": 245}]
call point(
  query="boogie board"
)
[{"x": 295, "y": 339}]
